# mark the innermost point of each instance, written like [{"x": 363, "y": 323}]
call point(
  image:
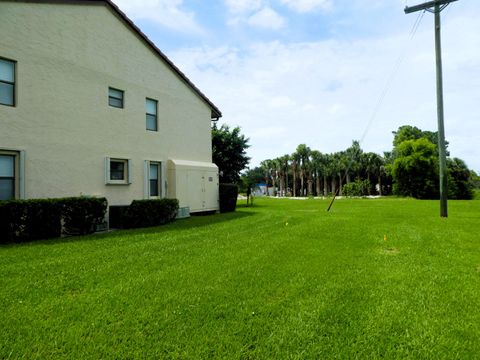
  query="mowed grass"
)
[{"x": 282, "y": 280}]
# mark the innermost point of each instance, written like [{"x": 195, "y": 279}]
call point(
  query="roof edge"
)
[{"x": 216, "y": 113}]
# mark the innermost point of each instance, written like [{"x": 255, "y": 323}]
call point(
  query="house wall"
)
[{"x": 67, "y": 58}]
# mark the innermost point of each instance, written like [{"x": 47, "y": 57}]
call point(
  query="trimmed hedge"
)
[
  {"x": 228, "y": 197},
  {"x": 27, "y": 220},
  {"x": 146, "y": 213},
  {"x": 82, "y": 215},
  {"x": 116, "y": 216}
]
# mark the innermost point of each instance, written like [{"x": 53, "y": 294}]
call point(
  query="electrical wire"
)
[{"x": 384, "y": 93}]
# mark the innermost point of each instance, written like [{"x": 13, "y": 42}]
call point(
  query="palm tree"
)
[
  {"x": 317, "y": 169},
  {"x": 353, "y": 160},
  {"x": 341, "y": 164},
  {"x": 303, "y": 152},
  {"x": 267, "y": 165},
  {"x": 295, "y": 164},
  {"x": 372, "y": 164},
  {"x": 283, "y": 162}
]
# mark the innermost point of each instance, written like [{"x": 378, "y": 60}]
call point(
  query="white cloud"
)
[
  {"x": 304, "y": 6},
  {"x": 243, "y": 6},
  {"x": 168, "y": 13},
  {"x": 324, "y": 93},
  {"x": 266, "y": 18}
]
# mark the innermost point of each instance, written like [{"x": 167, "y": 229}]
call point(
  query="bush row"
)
[
  {"x": 26, "y": 220},
  {"x": 356, "y": 188},
  {"x": 143, "y": 213}
]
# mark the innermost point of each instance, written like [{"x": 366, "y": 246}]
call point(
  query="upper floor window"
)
[
  {"x": 115, "y": 97},
  {"x": 151, "y": 110},
  {"x": 7, "y": 82},
  {"x": 7, "y": 177}
]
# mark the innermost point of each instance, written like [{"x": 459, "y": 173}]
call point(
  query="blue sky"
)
[{"x": 313, "y": 71}]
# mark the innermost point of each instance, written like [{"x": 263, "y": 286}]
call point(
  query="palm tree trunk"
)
[
  {"x": 325, "y": 186},
  {"x": 301, "y": 184},
  {"x": 294, "y": 182},
  {"x": 341, "y": 184}
]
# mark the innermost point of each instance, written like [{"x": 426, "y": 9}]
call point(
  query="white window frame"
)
[
  {"x": 19, "y": 171},
  {"x": 127, "y": 169},
  {"x": 161, "y": 180},
  {"x": 147, "y": 114},
  {"x": 8, "y": 82}
]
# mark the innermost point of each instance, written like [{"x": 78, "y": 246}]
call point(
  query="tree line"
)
[{"x": 410, "y": 169}]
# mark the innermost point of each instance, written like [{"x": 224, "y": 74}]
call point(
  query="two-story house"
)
[{"x": 90, "y": 106}]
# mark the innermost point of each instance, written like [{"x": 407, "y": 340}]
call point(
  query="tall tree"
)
[
  {"x": 229, "y": 152},
  {"x": 460, "y": 182},
  {"x": 415, "y": 169},
  {"x": 303, "y": 153}
]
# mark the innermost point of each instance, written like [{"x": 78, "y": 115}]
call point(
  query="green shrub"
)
[
  {"x": 356, "y": 188},
  {"x": 146, "y": 213},
  {"x": 116, "y": 216},
  {"x": 82, "y": 215},
  {"x": 228, "y": 197},
  {"x": 26, "y": 220}
]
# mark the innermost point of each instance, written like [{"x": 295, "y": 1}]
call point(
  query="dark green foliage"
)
[
  {"x": 116, "y": 216},
  {"x": 229, "y": 152},
  {"x": 415, "y": 169},
  {"x": 460, "y": 184},
  {"x": 250, "y": 178},
  {"x": 26, "y": 220},
  {"x": 146, "y": 213},
  {"x": 356, "y": 188},
  {"x": 228, "y": 197},
  {"x": 81, "y": 215},
  {"x": 408, "y": 132}
]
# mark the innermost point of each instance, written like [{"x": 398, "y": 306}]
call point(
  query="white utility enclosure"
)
[{"x": 194, "y": 184}]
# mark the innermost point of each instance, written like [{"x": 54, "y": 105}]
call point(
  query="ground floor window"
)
[
  {"x": 7, "y": 177},
  {"x": 154, "y": 179},
  {"x": 118, "y": 171}
]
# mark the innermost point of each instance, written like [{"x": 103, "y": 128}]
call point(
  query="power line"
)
[{"x": 383, "y": 94}]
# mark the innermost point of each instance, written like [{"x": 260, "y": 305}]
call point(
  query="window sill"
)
[{"x": 117, "y": 182}]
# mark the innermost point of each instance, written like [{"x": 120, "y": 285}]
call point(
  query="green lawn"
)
[{"x": 282, "y": 280}]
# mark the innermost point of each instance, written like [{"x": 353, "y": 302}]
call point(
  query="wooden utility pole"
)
[{"x": 438, "y": 6}]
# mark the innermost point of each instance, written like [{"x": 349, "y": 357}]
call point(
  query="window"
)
[
  {"x": 115, "y": 98},
  {"x": 118, "y": 171},
  {"x": 151, "y": 110},
  {"x": 7, "y": 82},
  {"x": 154, "y": 179},
  {"x": 7, "y": 177}
]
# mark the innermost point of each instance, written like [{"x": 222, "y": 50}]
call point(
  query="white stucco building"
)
[{"x": 90, "y": 106}]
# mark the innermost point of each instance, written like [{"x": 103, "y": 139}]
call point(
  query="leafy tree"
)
[
  {"x": 408, "y": 132},
  {"x": 460, "y": 184},
  {"x": 229, "y": 152},
  {"x": 415, "y": 169},
  {"x": 250, "y": 178}
]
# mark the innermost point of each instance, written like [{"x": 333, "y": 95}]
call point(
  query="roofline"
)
[{"x": 216, "y": 113}]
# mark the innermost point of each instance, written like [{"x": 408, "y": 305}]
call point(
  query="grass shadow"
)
[{"x": 179, "y": 224}]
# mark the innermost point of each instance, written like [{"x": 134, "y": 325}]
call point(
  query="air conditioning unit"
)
[{"x": 183, "y": 212}]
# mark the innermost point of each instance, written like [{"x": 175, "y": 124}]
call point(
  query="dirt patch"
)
[{"x": 391, "y": 251}]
